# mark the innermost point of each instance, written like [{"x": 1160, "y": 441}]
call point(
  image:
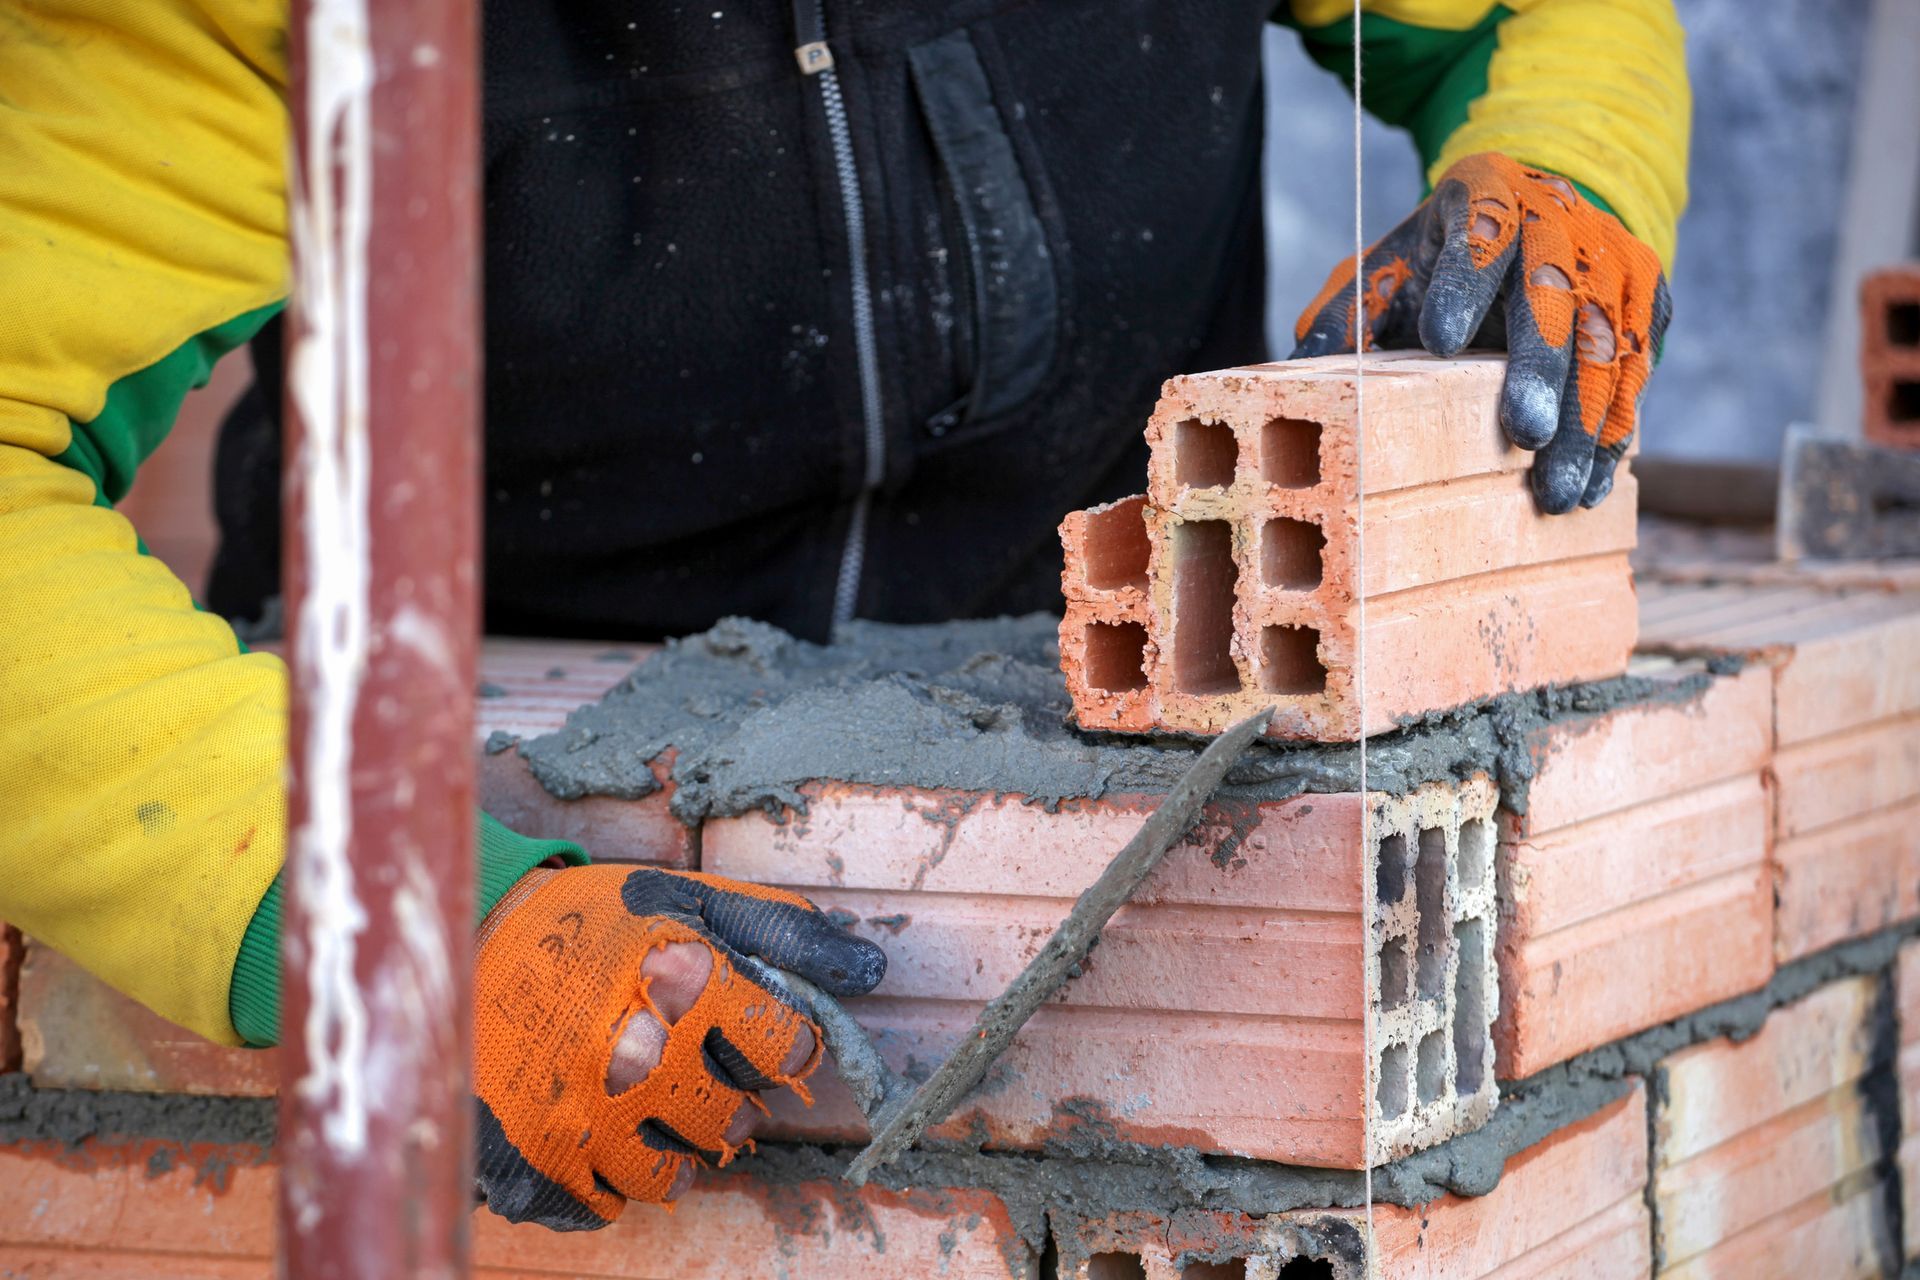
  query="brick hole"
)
[
  {"x": 1903, "y": 401},
  {"x": 1396, "y": 972},
  {"x": 1393, "y": 1081},
  {"x": 1390, "y": 876},
  {"x": 1116, "y": 1266},
  {"x": 1903, "y": 324},
  {"x": 1430, "y": 900},
  {"x": 1234, "y": 1270},
  {"x": 1116, "y": 656},
  {"x": 1204, "y": 454},
  {"x": 1290, "y": 554},
  {"x": 1204, "y": 581},
  {"x": 1470, "y": 1006},
  {"x": 1290, "y": 453},
  {"x": 1476, "y": 853},
  {"x": 1290, "y": 661},
  {"x": 1306, "y": 1269},
  {"x": 1117, "y": 547},
  {"x": 1430, "y": 1068}
]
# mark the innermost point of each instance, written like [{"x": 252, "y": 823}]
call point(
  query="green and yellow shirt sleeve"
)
[
  {"x": 1594, "y": 90},
  {"x": 142, "y": 235}
]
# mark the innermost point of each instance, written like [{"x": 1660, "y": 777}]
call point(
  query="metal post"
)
[{"x": 382, "y": 492}]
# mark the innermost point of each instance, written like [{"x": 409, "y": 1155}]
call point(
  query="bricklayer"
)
[
  {"x": 162, "y": 1209},
  {"x": 1765, "y": 1152},
  {"x": 1223, "y": 1008},
  {"x": 1245, "y": 589},
  {"x": 1636, "y": 886}
]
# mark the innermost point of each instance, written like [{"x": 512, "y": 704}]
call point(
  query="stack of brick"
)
[
  {"x": 1890, "y": 355},
  {"x": 1845, "y": 671},
  {"x": 1235, "y": 582},
  {"x": 1768, "y": 1154}
]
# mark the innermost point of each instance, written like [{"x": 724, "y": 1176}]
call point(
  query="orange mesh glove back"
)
[
  {"x": 1586, "y": 307},
  {"x": 557, "y": 979}
]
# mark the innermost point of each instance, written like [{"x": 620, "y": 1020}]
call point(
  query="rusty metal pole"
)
[{"x": 382, "y": 493}]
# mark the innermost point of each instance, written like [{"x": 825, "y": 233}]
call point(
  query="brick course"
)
[
  {"x": 1245, "y": 590},
  {"x": 1890, "y": 354},
  {"x": 1223, "y": 1008}
]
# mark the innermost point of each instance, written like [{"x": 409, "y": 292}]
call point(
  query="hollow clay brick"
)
[
  {"x": 1223, "y": 1009},
  {"x": 79, "y": 1033},
  {"x": 611, "y": 829},
  {"x": 1249, "y": 591},
  {"x": 1765, "y": 1152},
  {"x": 1636, "y": 886},
  {"x": 164, "y": 1209},
  {"x": 1890, "y": 355},
  {"x": 1202, "y": 1245}
]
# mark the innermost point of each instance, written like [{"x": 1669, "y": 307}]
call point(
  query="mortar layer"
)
[{"x": 753, "y": 714}]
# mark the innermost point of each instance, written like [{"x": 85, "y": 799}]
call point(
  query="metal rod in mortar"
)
[{"x": 383, "y": 414}]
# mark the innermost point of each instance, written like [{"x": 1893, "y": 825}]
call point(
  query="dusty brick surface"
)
[
  {"x": 1246, "y": 589},
  {"x": 162, "y": 1209},
  {"x": 1636, "y": 886},
  {"x": 1764, "y": 1151},
  {"x": 79, "y": 1033},
  {"x": 1224, "y": 1006}
]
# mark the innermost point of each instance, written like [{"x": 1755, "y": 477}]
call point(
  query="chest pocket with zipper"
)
[{"x": 1006, "y": 279}]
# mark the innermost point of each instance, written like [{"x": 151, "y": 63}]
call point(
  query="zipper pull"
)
[{"x": 810, "y": 36}]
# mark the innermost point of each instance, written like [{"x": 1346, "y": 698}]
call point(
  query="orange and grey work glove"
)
[
  {"x": 558, "y": 986},
  {"x": 1585, "y": 309}
]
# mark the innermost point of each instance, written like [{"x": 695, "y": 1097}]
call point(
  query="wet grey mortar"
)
[{"x": 980, "y": 706}]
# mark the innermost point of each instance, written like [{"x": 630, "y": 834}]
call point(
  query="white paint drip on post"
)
[{"x": 330, "y": 216}]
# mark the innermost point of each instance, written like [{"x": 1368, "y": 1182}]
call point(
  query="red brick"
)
[
  {"x": 1637, "y": 886},
  {"x": 1571, "y": 1205},
  {"x": 1194, "y": 1244},
  {"x": 1890, "y": 355},
  {"x": 1906, "y": 990},
  {"x": 1765, "y": 1149},
  {"x": 1250, "y": 589},
  {"x": 612, "y": 830},
  {"x": 12, "y": 950},
  {"x": 1842, "y": 660},
  {"x": 1825, "y": 782},
  {"x": 159, "y": 1208},
  {"x": 531, "y": 685},
  {"x": 79, "y": 1033},
  {"x": 1847, "y": 880},
  {"x": 1223, "y": 1008}
]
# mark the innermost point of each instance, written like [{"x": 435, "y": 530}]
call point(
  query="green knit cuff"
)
[{"x": 254, "y": 1000}]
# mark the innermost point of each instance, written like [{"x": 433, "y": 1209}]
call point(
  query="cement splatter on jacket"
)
[{"x": 142, "y": 236}]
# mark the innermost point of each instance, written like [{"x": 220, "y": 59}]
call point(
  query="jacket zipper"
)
[{"x": 816, "y": 61}]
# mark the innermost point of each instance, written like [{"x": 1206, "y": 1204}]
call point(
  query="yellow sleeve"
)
[
  {"x": 1595, "y": 90},
  {"x": 142, "y": 232}
]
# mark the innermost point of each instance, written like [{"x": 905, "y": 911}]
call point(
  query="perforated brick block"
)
[
  {"x": 1236, "y": 582},
  {"x": 1223, "y": 1009},
  {"x": 1636, "y": 886},
  {"x": 1196, "y": 1244},
  {"x": 1766, "y": 1157},
  {"x": 1890, "y": 355}
]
